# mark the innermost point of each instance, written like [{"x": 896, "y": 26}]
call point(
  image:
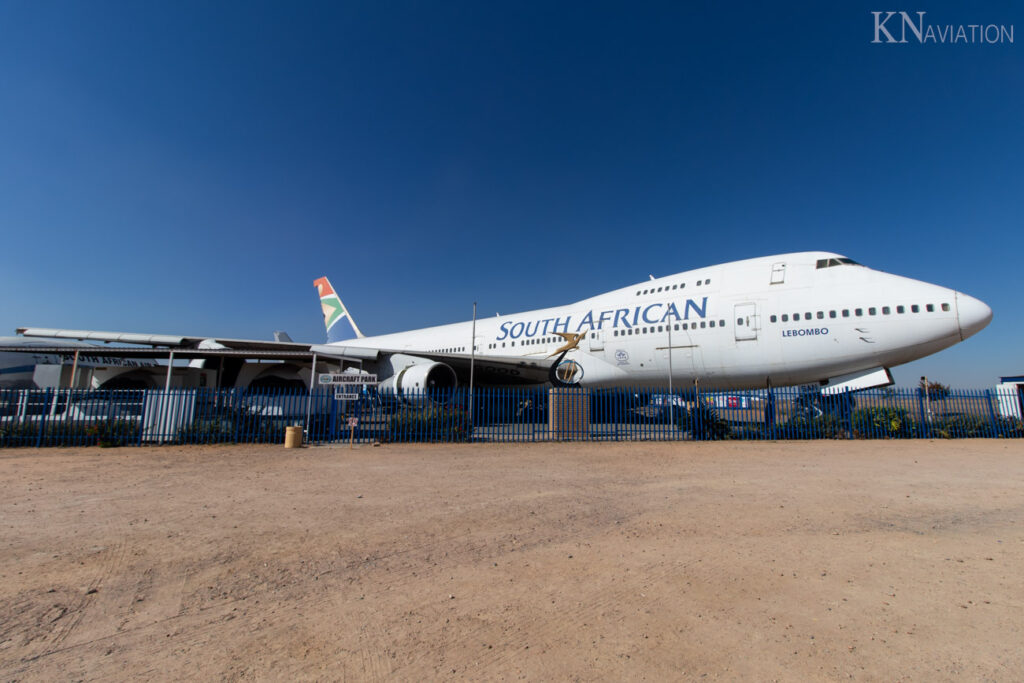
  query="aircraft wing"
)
[
  {"x": 487, "y": 370},
  {"x": 168, "y": 341}
]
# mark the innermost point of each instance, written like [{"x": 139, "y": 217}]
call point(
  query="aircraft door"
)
[
  {"x": 596, "y": 340},
  {"x": 681, "y": 353},
  {"x": 747, "y": 321}
]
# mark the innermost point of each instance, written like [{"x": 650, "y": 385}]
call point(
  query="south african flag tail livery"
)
[{"x": 334, "y": 310}]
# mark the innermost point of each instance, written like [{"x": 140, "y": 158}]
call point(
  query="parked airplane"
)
[{"x": 809, "y": 317}]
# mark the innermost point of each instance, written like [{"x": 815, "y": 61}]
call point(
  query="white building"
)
[{"x": 1011, "y": 396}]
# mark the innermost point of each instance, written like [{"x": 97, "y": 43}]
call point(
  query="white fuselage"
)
[{"x": 780, "y": 320}]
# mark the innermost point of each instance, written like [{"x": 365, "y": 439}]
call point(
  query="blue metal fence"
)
[{"x": 206, "y": 416}]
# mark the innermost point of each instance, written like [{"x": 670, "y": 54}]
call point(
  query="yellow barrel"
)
[{"x": 293, "y": 437}]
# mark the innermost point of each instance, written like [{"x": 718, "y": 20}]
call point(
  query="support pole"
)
[
  {"x": 74, "y": 371},
  {"x": 671, "y": 398},
  {"x": 927, "y": 401},
  {"x": 472, "y": 365},
  {"x": 170, "y": 364},
  {"x": 166, "y": 407},
  {"x": 695, "y": 412},
  {"x": 309, "y": 397}
]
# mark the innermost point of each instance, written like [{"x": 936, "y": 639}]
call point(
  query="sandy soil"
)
[{"x": 790, "y": 561}]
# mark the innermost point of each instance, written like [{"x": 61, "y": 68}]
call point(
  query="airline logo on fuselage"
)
[{"x": 612, "y": 318}]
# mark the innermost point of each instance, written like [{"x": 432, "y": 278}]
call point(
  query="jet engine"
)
[{"x": 420, "y": 382}]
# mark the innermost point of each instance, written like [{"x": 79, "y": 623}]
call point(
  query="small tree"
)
[{"x": 935, "y": 391}]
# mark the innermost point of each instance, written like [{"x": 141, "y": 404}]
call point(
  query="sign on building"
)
[{"x": 346, "y": 378}]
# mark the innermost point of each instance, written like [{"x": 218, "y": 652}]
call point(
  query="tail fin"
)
[{"x": 334, "y": 310}]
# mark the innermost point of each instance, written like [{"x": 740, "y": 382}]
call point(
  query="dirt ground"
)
[{"x": 791, "y": 561}]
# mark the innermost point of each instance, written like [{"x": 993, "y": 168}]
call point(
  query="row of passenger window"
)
[
  {"x": 528, "y": 342},
  {"x": 654, "y": 329},
  {"x": 857, "y": 312},
  {"x": 667, "y": 288}
]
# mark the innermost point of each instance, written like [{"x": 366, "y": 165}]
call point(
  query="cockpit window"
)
[{"x": 841, "y": 261}]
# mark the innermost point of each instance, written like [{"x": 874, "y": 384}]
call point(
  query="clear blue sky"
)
[{"x": 191, "y": 167}]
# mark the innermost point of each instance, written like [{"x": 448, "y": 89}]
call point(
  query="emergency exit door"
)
[{"x": 747, "y": 322}]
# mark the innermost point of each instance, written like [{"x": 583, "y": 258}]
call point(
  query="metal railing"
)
[{"x": 207, "y": 416}]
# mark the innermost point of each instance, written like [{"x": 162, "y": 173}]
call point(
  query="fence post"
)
[
  {"x": 992, "y": 414},
  {"x": 925, "y": 428},
  {"x": 237, "y": 404},
  {"x": 42, "y": 420},
  {"x": 698, "y": 432},
  {"x": 142, "y": 416},
  {"x": 848, "y": 412}
]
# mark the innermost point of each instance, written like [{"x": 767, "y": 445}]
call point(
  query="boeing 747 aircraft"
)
[
  {"x": 792, "y": 319},
  {"x": 811, "y": 317}
]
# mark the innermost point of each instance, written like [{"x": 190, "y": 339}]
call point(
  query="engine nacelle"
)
[{"x": 419, "y": 382}]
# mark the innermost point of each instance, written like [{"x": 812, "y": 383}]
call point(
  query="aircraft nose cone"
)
[{"x": 972, "y": 315}]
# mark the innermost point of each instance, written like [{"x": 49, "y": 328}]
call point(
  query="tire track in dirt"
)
[
  {"x": 140, "y": 638},
  {"x": 60, "y": 621}
]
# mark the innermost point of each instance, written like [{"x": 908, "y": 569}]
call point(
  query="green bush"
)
[
  {"x": 755, "y": 432},
  {"x": 960, "y": 427},
  {"x": 231, "y": 423},
  {"x": 217, "y": 430},
  {"x": 893, "y": 423},
  {"x": 115, "y": 432},
  {"x": 102, "y": 433},
  {"x": 431, "y": 423},
  {"x": 821, "y": 427},
  {"x": 18, "y": 434},
  {"x": 703, "y": 423},
  {"x": 1009, "y": 427}
]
